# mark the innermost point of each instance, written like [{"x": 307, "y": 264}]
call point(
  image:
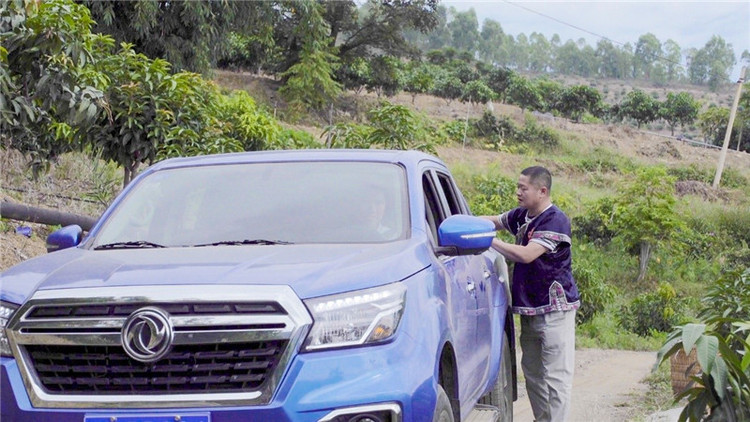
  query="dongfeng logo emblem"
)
[{"x": 147, "y": 335}]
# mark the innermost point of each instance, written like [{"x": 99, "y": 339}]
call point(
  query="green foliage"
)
[
  {"x": 713, "y": 124},
  {"x": 577, "y": 99},
  {"x": 645, "y": 208},
  {"x": 386, "y": 77},
  {"x": 640, "y": 107},
  {"x": 722, "y": 347},
  {"x": 653, "y": 311},
  {"x": 391, "y": 127},
  {"x": 477, "y": 92},
  {"x": 419, "y": 80},
  {"x": 595, "y": 293},
  {"x": 309, "y": 82},
  {"x": 47, "y": 89},
  {"x": 524, "y": 94},
  {"x": 679, "y": 109},
  {"x": 730, "y": 177},
  {"x": 489, "y": 194},
  {"x": 455, "y": 130},
  {"x": 595, "y": 225},
  {"x": 448, "y": 87},
  {"x": 538, "y": 135}
]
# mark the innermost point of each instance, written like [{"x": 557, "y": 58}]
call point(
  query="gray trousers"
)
[{"x": 548, "y": 360}]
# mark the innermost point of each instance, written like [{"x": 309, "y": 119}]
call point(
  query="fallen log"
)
[{"x": 31, "y": 214}]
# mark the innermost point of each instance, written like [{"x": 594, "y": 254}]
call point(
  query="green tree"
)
[
  {"x": 610, "y": 60},
  {"x": 578, "y": 99},
  {"x": 711, "y": 64},
  {"x": 379, "y": 26},
  {"x": 492, "y": 43},
  {"x": 551, "y": 92},
  {"x": 420, "y": 79},
  {"x": 645, "y": 216},
  {"x": 309, "y": 83},
  {"x": 477, "y": 92},
  {"x": 640, "y": 107},
  {"x": 647, "y": 52},
  {"x": 386, "y": 77},
  {"x": 464, "y": 30},
  {"x": 448, "y": 87},
  {"x": 540, "y": 53},
  {"x": 188, "y": 34},
  {"x": 48, "y": 90},
  {"x": 524, "y": 94},
  {"x": 673, "y": 56},
  {"x": 713, "y": 124},
  {"x": 679, "y": 109},
  {"x": 498, "y": 79}
]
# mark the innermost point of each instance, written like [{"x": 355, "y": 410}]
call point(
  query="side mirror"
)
[
  {"x": 465, "y": 235},
  {"x": 64, "y": 238}
]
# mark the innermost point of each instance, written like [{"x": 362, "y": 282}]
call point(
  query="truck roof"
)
[{"x": 407, "y": 158}]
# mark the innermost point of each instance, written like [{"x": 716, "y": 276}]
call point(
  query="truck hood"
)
[{"x": 311, "y": 270}]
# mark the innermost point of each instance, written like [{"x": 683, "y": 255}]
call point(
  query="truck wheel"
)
[
  {"x": 443, "y": 409},
  {"x": 501, "y": 395}
]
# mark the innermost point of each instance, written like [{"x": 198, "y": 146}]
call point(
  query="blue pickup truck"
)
[{"x": 325, "y": 285}]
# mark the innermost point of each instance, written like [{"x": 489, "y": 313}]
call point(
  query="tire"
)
[
  {"x": 443, "y": 409},
  {"x": 501, "y": 395}
]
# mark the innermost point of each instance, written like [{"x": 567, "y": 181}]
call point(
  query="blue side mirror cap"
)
[
  {"x": 465, "y": 235},
  {"x": 64, "y": 238}
]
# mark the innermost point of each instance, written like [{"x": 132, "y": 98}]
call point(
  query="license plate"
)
[{"x": 202, "y": 417}]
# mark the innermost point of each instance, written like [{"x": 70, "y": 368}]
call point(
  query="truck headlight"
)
[
  {"x": 355, "y": 318},
  {"x": 6, "y": 311}
]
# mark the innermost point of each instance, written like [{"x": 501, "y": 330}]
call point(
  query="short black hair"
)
[{"x": 538, "y": 176}]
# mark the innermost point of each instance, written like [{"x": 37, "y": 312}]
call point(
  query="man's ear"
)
[{"x": 544, "y": 190}]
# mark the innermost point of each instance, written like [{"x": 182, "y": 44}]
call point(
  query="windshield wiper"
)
[
  {"x": 246, "y": 242},
  {"x": 133, "y": 244}
]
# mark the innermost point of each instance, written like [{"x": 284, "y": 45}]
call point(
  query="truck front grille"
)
[
  {"x": 204, "y": 368},
  {"x": 225, "y": 345}
]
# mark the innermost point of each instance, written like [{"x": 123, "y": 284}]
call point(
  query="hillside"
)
[{"x": 77, "y": 178}]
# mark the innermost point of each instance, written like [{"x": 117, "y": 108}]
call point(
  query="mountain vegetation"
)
[{"x": 119, "y": 85}]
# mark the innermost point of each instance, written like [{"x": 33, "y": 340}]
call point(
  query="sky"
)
[{"x": 689, "y": 23}]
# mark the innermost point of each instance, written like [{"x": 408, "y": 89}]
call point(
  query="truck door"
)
[{"x": 461, "y": 279}]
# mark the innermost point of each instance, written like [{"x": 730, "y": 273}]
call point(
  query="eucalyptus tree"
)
[
  {"x": 712, "y": 63},
  {"x": 540, "y": 52},
  {"x": 673, "y": 60},
  {"x": 464, "y": 29},
  {"x": 647, "y": 52},
  {"x": 492, "y": 43}
]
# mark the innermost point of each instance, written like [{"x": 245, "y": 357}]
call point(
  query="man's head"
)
[{"x": 534, "y": 186}]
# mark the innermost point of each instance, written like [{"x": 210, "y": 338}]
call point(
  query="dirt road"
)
[{"x": 602, "y": 385}]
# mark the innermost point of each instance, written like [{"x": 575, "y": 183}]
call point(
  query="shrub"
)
[
  {"x": 539, "y": 135},
  {"x": 595, "y": 224},
  {"x": 490, "y": 195},
  {"x": 595, "y": 293},
  {"x": 653, "y": 311}
]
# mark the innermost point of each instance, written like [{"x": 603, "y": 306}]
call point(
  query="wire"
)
[{"x": 582, "y": 29}]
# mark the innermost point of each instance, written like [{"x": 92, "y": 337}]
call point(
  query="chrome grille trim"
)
[{"x": 291, "y": 323}]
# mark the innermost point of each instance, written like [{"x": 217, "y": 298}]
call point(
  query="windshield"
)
[{"x": 266, "y": 203}]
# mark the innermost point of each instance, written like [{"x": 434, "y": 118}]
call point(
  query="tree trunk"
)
[{"x": 643, "y": 260}]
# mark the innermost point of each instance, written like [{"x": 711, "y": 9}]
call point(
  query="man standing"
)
[{"x": 544, "y": 293}]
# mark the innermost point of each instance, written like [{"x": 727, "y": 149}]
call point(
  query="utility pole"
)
[{"x": 723, "y": 155}]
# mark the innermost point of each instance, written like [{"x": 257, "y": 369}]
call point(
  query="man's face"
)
[{"x": 529, "y": 195}]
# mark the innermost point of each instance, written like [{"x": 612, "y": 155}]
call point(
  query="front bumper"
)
[{"x": 315, "y": 387}]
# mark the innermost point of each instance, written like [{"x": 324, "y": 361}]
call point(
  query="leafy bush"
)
[
  {"x": 490, "y": 195},
  {"x": 722, "y": 389},
  {"x": 455, "y": 130},
  {"x": 653, "y": 311},
  {"x": 595, "y": 224},
  {"x": 595, "y": 293},
  {"x": 539, "y": 135}
]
